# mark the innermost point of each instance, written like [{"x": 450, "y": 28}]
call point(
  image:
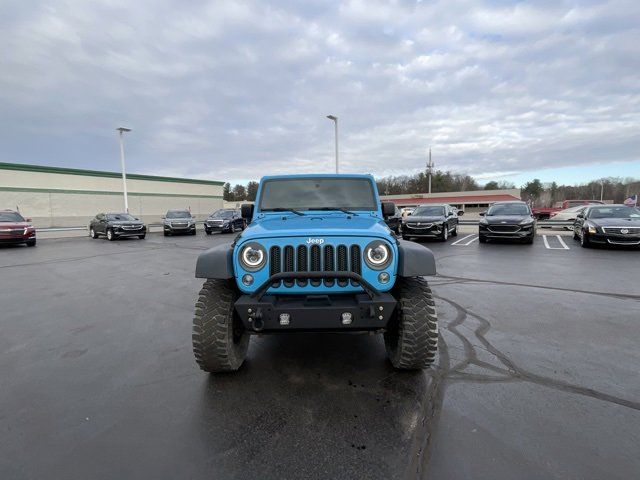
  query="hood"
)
[
  {"x": 615, "y": 222},
  {"x": 427, "y": 219},
  {"x": 506, "y": 219},
  {"x": 4, "y": 225},
  {"x": 316, "y": 225}
]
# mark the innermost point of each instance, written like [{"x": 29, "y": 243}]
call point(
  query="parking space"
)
[{"x": 537, "y": 375}]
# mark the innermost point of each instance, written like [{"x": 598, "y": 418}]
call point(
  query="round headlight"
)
[
  {"x": 377, "y": 255},
  {"x": 253, "y": 256}
]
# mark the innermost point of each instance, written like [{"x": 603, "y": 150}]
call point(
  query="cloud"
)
[{"x": 234, "y": 90}]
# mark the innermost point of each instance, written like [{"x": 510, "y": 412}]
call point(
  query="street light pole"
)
[
  {"x": 601, "y": 189},
  {"x": 429, "y": 169},
  {"x": 121, "y": 130},
  {"x": 335, "y": 121}
]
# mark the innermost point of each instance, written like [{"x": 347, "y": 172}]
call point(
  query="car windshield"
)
[
  {"x": 318, "y": 194},
  {"x": 428, "y": 211},
  {"x": 179, "y": 214},
  {"x": 222, "y": 214},
  {"x": 122, "y": 217},
  {"x": 614, "y": 212},
  {"x": 509, "y": 209},
  {"x": 11, "y": 217}
]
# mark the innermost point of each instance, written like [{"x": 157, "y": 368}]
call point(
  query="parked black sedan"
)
[
  {"x": 178, "y": 222},
  {"x": 608, "y": 225},
  {"x": 224, "y": 220},
  {"x": 431, "y": 221},
  {"x": 114, "y": 225},
  {"x": 507, "y": 220}
]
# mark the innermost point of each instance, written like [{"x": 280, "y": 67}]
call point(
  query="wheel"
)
[
  {"x": 411, "y": 338},
  {"x": 575, "y": 235},
  {"x": 529, "y": 240},
  {"x": 31, "y": 243},
  {"x": 455, "y": 231},
  {"x": 232, "y": 229},
  {"x": 165, "y": 233},
  {"x": 110, "y": 235},
  {"x": 220, "y": 341},
  {"x": 584, "y": 241},
  {"x": 141, "y": 237},
  {"x": 208, "y": 232},
  {"x": 482, "y": 239},
  {"x": 194, "y": 232},
  {"x": 445, "y": 232},
  {"x": 92, "y": 233}
]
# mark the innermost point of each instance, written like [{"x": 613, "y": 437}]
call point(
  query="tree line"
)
[{"x": 540, "y": 194}]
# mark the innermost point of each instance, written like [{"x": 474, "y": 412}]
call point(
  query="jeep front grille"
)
[{"x": 315, "y": 259}]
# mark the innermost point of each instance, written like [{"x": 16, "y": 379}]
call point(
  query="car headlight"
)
[
  {"x": 253, "y": 256},
  {"x": 528, "y": 221},
  {"x": 377, "y": 255},
  {"x": 592, "y": 229},
  {"x": 483, "y": 221}
]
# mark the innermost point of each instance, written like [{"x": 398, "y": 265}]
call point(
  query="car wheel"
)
[
  {"x": 208, "y": 232},
  {"x": 411, "y": 338},
  {"x": 445, "y": 233},
  {"x": 92, "y": 233},
  {"x": 529, "y": 240},
  {"x": 575, "y": 235},
  {"x": 232, "y": 229},
  {"x": 165, "y": 233},
  {"x": 584, "y": 241},
  {"x": 220, "y": 341},
  {"x": 110, "y": 235},
  {"x": 194, "y": 232},
  {"x": 455, "y": 231},
  {"x": 482, "y": 239},
  {"x": 31, "y": 243},
  {"x": 142, "y": 237}
]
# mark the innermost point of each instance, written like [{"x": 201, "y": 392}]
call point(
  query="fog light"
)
[
  {"x": 284, "y": 318},
  {"x": 383, "y": 277},
  {"x": 247, "y": 279},
  {"x": 347, "y": 318}
]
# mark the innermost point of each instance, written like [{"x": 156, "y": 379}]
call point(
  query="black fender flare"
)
[
  {"x": 217, "y": 262},
  {"x": 415, "y": 260}
]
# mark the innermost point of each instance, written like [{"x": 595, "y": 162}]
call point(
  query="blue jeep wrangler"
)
[{"x": 316, "y": 256}]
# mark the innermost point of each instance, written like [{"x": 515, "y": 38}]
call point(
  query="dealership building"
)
[
  {"x": 470, "y": 201},
  {"x": 69, "y": 197}
]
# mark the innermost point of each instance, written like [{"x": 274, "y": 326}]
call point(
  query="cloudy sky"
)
[{"x": 234, "y": 90}]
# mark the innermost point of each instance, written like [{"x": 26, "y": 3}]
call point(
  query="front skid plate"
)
[{"x": 315, "y": 312}]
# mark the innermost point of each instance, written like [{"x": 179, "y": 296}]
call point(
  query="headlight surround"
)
[
  {"x": 592, "y": 229},
  {"x": 253, "y": 256},
  {"x": 378, "y": 255},
  {"x": 528, "y": 221}
]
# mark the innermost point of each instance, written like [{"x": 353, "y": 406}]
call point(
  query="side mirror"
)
[
  {"x": 136, "y": 218},
  {"x": 388, "y": 209},
  {"x": 460, "y": 213},
  {"x": 482, "y": 214},
  {"x": 247, "y": 211},
  {"x": 28, "y": 220},
  {"x": 450, "y": 214},
  {"x": 580, "y": 215}
]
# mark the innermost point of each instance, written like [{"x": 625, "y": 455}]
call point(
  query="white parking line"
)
[
  {"x": 458, "y": 242},
  {"x": 563, "y": 246}
]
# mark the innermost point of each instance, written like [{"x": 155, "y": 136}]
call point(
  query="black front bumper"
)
[
  {"x": 521, "y": 233},
  {"x": 615, "y": 239},
  {"x": 434, "y": 231},
  {"x": 370, "y": 310}
]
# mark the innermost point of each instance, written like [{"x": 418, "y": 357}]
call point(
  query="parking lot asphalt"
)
[{"x": 537, "y": 377}]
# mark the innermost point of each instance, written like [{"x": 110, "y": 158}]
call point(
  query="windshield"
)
[
  {"x": 614, "y": 212},
  {"x": 222, "y": 214},
  {"x": 123, "y": 217},
  {"x": 317, "y": 194},
  {"x": 179, "y": 214},
  {"x": 509, "y": 209},
  {"x": 428, "y": 212},
  {"x": 10, "y": 217}
]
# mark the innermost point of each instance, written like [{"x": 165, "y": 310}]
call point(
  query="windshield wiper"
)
[
  {"x": 328, "y": 209},
  {"x": 282, "y": 210}
]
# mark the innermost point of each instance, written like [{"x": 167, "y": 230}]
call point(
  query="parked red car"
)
[
  {"x": 546, "y": 213},
  {"x": 15, "y": 229}
]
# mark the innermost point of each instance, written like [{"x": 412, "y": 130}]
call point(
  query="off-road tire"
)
[
  {"x": 220, "y": 341},
  {"x": 411, "y": 338},
  {"x": 31, "y": 243}
]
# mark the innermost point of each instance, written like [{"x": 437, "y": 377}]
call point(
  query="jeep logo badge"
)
[{"x": 315, "y": 241}]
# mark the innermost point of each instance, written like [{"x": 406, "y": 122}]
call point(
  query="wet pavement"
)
[{"x": 537, "y": 377}]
